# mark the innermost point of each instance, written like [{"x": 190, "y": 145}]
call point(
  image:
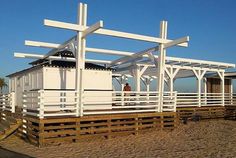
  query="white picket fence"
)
[
  {"x": 49, "y": 103},
  {"x": 7, "y": 102}
]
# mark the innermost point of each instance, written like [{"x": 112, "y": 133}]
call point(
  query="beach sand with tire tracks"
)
[{"x": 209, "y": 138}]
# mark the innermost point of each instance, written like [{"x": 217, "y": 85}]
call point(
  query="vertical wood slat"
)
[
  {"x": 41, "y": 131},
  {"x": 213, "y": 85}
]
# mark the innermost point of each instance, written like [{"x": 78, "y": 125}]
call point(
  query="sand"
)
[{"x": 212, "y": 138}]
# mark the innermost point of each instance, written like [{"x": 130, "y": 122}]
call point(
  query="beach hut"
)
[
  {"x": 59, "y": 77},
  {"x": 65, "y": 96}
]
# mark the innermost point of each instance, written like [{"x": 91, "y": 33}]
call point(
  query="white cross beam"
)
[
  {"x": 92, "y": 28},
  {"x": 40, "y": 56},
  {"x": 41, "y": 44},
  {"x": 76, "y": 27},
  {"x": 176, "y": 42},
  {"x": 132, "y": 57}
]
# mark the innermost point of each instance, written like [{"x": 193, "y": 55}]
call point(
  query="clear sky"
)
[{"x": 211, "y": 25}]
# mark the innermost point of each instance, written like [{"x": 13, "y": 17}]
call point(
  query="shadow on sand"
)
[{"x": 5, "y": 153}]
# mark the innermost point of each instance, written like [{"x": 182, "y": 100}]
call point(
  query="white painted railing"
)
[
  {"x": 51, "y": 103},
  {"x": 47, "y": 103},
  {"x": 113, "y": 102},
  {"x": 206, "y": 99},
  {"x": 7, "y": 102}
]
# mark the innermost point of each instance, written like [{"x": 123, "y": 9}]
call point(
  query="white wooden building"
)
[{"x": 56, "y": 77}]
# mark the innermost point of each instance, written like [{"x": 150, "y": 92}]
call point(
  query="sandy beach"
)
[{"x": 212, "y": 138}]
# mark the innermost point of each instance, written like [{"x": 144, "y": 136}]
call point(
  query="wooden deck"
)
[
  {"x": 54, "y": 130},
  {"x": 210, "y": 112}
]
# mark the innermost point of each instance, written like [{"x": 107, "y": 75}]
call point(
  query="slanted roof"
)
[
  {"x": 230, "y": 75},
  {"x": 64, "y": 53},
  {"x": 61, "y": 64}
]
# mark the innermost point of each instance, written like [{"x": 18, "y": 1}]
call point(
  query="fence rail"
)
[
  {"x": 205, "y": 99},
  {"x": 126, "y": 102},
  {"x": 7, "y": 102},
  {"x": 50, "y": 103},
  {"x": 46, "y": 103}
]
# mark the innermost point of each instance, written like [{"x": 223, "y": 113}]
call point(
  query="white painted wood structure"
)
[{"x": 144, "y": 66}]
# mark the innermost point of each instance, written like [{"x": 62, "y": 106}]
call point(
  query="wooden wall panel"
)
[{"x": 213, "y": 85}]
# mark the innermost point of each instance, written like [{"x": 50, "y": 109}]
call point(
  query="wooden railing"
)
[
  {"x": 7, "y": 102},
  {"x": 110, "y": 102},
  {"x": 205, "y": 99},
  {"x": 46, "y": 103}
]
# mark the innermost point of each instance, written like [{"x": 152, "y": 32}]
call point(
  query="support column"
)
[
  {"x": 223, "y": 88},
  {"x": 199, "y": 75},
  {"x": 148, "y": 87},
  {"x": 123, "y": 80},
  {"x": 222, "y": 77},
  {"x": 199, "y": 91},
  {"x": 137, "y": 79},
  {"x": 171, "y": 72},
  {"x": 222, "y": 85},
  {"x": 231, "y": 91},
  {"x": 147, "y": 81},
  {"x": 205, "y": 90},
  {"x": 161, "y": 65},
  {"x": 80, "y": 59}
]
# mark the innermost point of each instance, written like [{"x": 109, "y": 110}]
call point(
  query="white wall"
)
[
  {"x": 64, "y": 78},
  {"x": 54, "y": 78},
  {"x": 58, "y": 78},
  {"x": 29, "y": 80}
]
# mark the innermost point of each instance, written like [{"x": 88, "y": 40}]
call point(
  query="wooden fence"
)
[
  {"x": 45, "y": 103},
  {"x": 7, "y": 102}
]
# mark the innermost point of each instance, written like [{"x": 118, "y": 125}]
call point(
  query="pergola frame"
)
[{"x": 161, "y": 67}]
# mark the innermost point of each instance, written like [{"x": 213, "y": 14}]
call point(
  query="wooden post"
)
[
  {"x": 137, "y": 84},
  {"x": 171, "y": 72},
  {"x": 80, "y": 57},
  {"x": 148, "y": 82},
  {"x": 231, "y": 91},
  {"x": 205, "y": 90},
  {"x": 161, "y": 65},
  {"x": 199, "y": 91},
  {"x": 77, "y": 123},
  {"x": 13, "y": 103},
  {"x": 223, "y": 88},
  {"x": 199, "y": 75},
  {"x": 41, "y": 102},
  {"x": 137, "y": 78},
  {"x": 123, "y": 79},
  {"x": 3, "y": 102},
  {"x": 41, "y": 133}
]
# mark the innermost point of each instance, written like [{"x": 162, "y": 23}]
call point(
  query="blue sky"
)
[{"x": 209, "y": 23}]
